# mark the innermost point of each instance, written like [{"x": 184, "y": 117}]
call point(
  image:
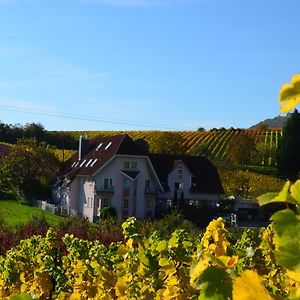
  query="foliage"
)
[
  {"x": 29, "y": 167},
  {"x": 248, "y": 184},
  {"x": 107, "y": 212},
  {"x": 288, "y": 159},
  {"x": 266, "y": 154},
  {"x": 200, "y": 150},
  {"x": 286, "y": 224},
  {"x": 167, "y": 143},
  {"x": 289, "y": 95},
  {"x": 241, "y": 150}
]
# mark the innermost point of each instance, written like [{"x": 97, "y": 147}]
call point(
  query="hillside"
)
[
  {"x": 217, "y": 140},
  {"x": 276, "y": 123}
]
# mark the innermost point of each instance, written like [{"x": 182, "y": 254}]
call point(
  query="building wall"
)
[
  {"x": 136, "y": 200},
  {"x": 185, "y": 181}
]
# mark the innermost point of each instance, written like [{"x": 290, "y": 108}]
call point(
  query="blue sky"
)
[{"x": 145, "y": 64}]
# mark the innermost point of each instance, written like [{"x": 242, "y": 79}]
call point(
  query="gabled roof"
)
[
  {"x": 98, "y": 152},
  {"x": 206, "y": 177}
]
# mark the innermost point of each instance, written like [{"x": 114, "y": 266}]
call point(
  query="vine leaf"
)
[
  {"x": 295, "y": 191},
  {"x": 215, "y": 284},
  {"x": 249, "y": 286},
  {"x": 289, "y": 95},
  {"x": 287, "y": 239},
  {"x": 282, "y": 196}
]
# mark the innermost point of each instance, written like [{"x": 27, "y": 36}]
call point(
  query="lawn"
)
[{"x": 15, "y": 214}]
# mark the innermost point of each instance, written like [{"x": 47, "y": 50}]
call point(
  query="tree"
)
[
  {"x": 241, "y": 150},
  {"x": 29, "y": 168},
  {"x": 288, "y": 154},
  {"x": 166, "y": 142}
]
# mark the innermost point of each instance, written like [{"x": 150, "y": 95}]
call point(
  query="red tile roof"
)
[{"x": 99, "y": 152}]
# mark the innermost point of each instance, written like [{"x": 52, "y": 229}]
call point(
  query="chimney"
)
[{"x": 83, "y": 146}]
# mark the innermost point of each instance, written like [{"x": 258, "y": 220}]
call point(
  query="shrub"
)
[{"x": 107, "y": 212}]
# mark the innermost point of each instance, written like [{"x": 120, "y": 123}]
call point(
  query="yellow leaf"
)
[
  {"x": 249, "y": 287},
  {"x": 289, "y": 95},
  {"x": 294, "y": 275},
  {"x": 163, "y": 261}
]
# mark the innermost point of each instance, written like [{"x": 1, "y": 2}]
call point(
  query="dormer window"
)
[{"x": 179, "y": 172}]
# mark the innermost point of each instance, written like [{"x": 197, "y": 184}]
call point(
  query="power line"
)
[{"x": 87, "y": 118}]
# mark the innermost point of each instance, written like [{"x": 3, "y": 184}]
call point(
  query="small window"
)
[
  {"x": 107, "y": 183},
  {"x": 126, "y": 165},
  {"x": 105, "y": 202},
  {"x": 133, "y": 165},
  {"x": 108, "y": 145},
  {"x": 89, "y": 162},
  {"x": 176, "y": 185},
  {"x": 149, "y": 204},
  {"x": 179, "y": 173},
  {"x": 76, "y": 164},
  {"x": 126, "y": 183},
  {"x": 181, "y": 185},
  {"x": 83, "y": 162},
  {"x": 125, "y": 203},
  {"x": 73, "y": 164},
  {"x": 93, "y": 163},
  {"x": 130, "y": 165},
  {"x": 99, "y": 146}
]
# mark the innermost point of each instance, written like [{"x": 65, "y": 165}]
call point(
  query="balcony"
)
[
  {"x": 150, "y": 191},
  {"x": 105, "y": 189}
]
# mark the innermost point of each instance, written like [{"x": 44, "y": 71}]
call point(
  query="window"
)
[
  {"x": 82, "y": 163},
  {"x": 95, "y": 160},
  {"x": 108, "y": 145},
  {"x": 107, "y": 183},
  {"x": 133, "y": 165},
  {"x": 176, "y": 185},
  {"x": 149, "y": 204},
  {"x": 181, "y": 185},
  {"x": 99, "y": 146},
  {"x": 87, "y": 164},
  {"x": 105, "y": 202},
  {"x": 130, "y": 165},
  {"x": 179, "y": 172},
  {"x": 126, "y": 183},
  {"x": 125, "y": 203}
]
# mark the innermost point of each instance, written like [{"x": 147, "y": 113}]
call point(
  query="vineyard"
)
[
  {"x": 217, "y": 140},
  {"x": 258, "y": 265}
]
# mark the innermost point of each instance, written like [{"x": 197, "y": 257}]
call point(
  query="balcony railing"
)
[{"x": 105, "y": 189}]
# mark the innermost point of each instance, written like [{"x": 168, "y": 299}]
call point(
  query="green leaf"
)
[
  {"x": 287, "y": 239},
  {"x": 214, "y": 284},
  {"x": 295, "y": 191},
  {"x": 161, "y": 246},
  {"x": 282, "y": 196}
]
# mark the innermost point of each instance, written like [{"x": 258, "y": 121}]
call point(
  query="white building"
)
[{"x": 115, "y": 172}]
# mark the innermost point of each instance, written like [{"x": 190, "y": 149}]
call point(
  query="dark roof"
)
[
  {"x": 99, "y": 151},
  {"x": 206, "y": 178},
  {"x": 4, "y": 150}
]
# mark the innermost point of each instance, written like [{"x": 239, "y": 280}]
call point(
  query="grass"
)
[{"x": 15, "y": 214}]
